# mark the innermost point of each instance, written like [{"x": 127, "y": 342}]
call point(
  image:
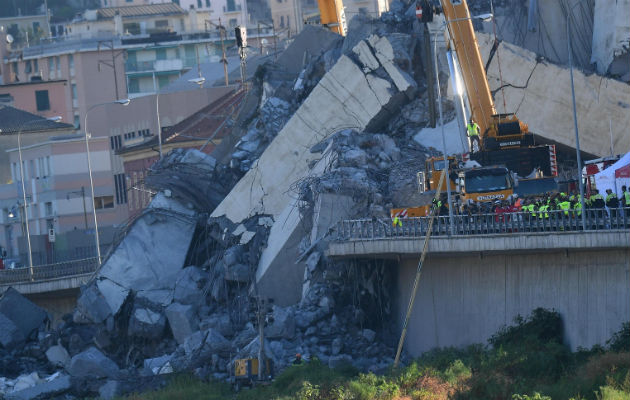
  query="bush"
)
[{"x": 620, "y": 341}]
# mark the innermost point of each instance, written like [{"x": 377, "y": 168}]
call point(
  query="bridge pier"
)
[{"x": 473, "y": 285}]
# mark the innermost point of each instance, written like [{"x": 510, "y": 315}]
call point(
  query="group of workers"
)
[{"x": 544, "y": 205}]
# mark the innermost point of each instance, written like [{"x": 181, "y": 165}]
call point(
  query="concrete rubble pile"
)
[{"x": 329, "y": 138}]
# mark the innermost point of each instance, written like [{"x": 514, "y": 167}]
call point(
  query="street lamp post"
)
[
  {"x": 123, "y": 102},
  {"x": 199, "y": 81},
  {"x": 25, "y": 212},
  {"x": 575, "y": 123}
]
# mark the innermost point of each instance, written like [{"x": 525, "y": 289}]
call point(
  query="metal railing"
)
[
  {"x": 64, "y": 269},
  {"x": 484, "y": 224}
]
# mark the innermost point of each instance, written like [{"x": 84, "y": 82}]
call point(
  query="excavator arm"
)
[{"x": 332, "y": 15}]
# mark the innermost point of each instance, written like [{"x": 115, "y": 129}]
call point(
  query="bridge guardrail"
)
[
  {"x": 51, "y": 271},
  {"x": 483, "y": 224}
]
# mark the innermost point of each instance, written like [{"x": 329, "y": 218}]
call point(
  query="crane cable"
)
[{"x": 416, "y": 282}]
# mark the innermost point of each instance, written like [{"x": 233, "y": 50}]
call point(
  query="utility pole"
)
[
  {"x": 82, "y": 193},
  {"x": 112, "y": 64},
  {"x": 221, "y": 29}
]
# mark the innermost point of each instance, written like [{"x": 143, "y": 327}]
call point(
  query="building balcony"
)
[
  {"x": 237, "y": 8},
  {"x": 174, "y": 64}
]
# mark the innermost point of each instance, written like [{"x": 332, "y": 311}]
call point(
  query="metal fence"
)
[
  {"x": 483, "y": 224},
  {"x": 64, "y": 269}
]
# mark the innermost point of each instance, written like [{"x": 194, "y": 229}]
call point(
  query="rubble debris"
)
[
  {"x": 43, "y": 389},
  {"x": 25, "y": 315},
  {"x": 92, "y": 363}
]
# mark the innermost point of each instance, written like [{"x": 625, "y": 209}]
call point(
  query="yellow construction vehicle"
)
[
  {"x": 333, "y": 16},
  {"x": 477, "y": 184},
  {"x": 246, "y": 372}
]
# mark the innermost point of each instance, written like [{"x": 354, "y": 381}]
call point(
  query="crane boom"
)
[
  {"x": 498, "y": 131},
  {"x": 464, "y": 41}
]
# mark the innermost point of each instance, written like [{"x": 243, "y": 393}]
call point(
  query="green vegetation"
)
[{"x": 526, "y": 361}]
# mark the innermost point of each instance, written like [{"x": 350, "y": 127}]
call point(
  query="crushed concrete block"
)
[
  {"x": 93, "y": 305},
  {"x": 146, "y": 323},
  {"x": 10, "y": 335},
  {"x": 58, "y": 356},
  {"x": 26, "y": 381},
  {"x": 199, "y": 159},
  {"x": 237, "y": 273},
  {"x": 158, "y": 365},
  {"x": 219, "y": 322},
  {"x": 366, "y": 57},
  {"x": 152, "y": 254},
  {"x": 247, "y": 237},
  {"x": 209, "y": 340},
  {"x": 43, "y": 390},
  {"x": 161, "y": 297},
  {"x": 110, "y": 390},
  {"x": 92, "y": 363},
  {"x": 114, "y": 294},
  {"x": 369, "y": 335},
  {"x": 189, "y": 286},
  {"x": 26, "y": 316},
  {"x": 182, "y": 319},
  {"x": 283, "y": 325}
]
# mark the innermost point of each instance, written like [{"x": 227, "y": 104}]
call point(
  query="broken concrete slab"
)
[
  {"x": 208, "y": 341},
  {"x": 92, "y": 305},
  {"x": 343, "y": 98},
  {"x": 92, "y": 363},
  {"x": 26, "y": 316},
  {"x": 312, "y": 41},
  {"x": 44, "y": 390},
  {"x": 146, "y": 323},
  {"x": 534, "y": 89},
  {"x": 10, "y": 335},
  {"x": 154, "y": 250},
  {"x": 366, "y": 57},
  {"x": 115, "y": 295},
  {"x": 238, "y": 273},
  {"x": 182, "y": 319},
  {"x": 161, "y": 297},
  {"x": 156, "y": 365},
  {"x": 219, "y": 322},
  {"x": 189, "y": 285},
  {"x": 110, "y": 390},
  {"x": 58, "y": 356},
  {"x": 283, "y": 326}
]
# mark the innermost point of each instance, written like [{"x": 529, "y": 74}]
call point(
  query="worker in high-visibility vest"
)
[
  {"x": 473, "y": 135},
  {"x": 396, "y": 221},
  {"x": 625, "y": 199}
]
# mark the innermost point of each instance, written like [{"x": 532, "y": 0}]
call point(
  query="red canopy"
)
[{"x": 623, "y": 172}]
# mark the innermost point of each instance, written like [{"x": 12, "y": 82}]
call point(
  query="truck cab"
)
[{"x": 485, "y": 184}]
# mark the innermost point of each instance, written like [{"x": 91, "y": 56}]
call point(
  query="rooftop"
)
[
  {"x": 13, "y": 119},
  {"x": 141, "y": 11}
]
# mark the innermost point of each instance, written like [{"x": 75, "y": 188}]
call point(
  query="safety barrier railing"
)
[
  {"x": 483, "y": 224},
  {"x": 64, "y": 269}
]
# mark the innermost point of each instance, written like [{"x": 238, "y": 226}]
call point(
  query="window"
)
[
  {"x": 233, "y": 22},
  {"x": 74, "y": 91},
  {"x": 41, "y": 98},
  {"x": 115, "y": 142},
  {"x": 32, "y": 173},
  {"x": 48, "y": 167},
  {"x": 160, "y": 54},
  {"x": 102, "y": 202},
  {"x": 132, "y": 27},
  {"x": 162, "y": 81},
  {"x": 208, "y": 3},
  {"x": 282, "y": 21},
  {"x": 48, "y": 208},
  {"x": 134, "y": 85},
  {"x": 71, "y": 63},
  {"x": 35, "y": 26},
  {"x": 51, "y": 68},
  {"x": 198, "y": 3},
  {"x": 35, "y": 65},
  {"x": 77, "y": 122},
  {"x": 28, "y": 68},
  {"x": 58, "y": 64},
  {"x": 14, "y": 172},
  {"x": 121, "y": 188},
  {"x": 161, "y": 24}
]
